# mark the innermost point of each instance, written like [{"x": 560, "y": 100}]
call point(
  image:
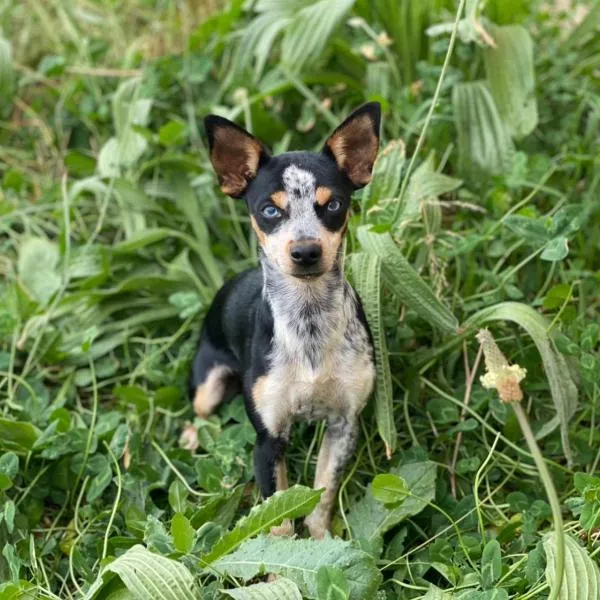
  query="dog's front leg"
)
[
  {"x": 271, "y": 472},
  {"x": 337, "y": 448}
]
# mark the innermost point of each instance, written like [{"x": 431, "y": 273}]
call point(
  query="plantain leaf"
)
[
  {"x": 309, "y": 31},
  {"x": 300, "y": 561},
  {"x": 306, "y": 25},
  {"x": 289, "y": 504},
  {"x": 562, "y": 386},
  {"x": 581, "y": 578},
  {"x": 484, "y": 142},
  {"x": 280, "y": 589},
  {"x": 369, "y": 519},
  {"x": 366, "y": 275},
  {"x": 147, "y": 575},
  {"x": 510, "y": 74},
  {"x": 405, "y": 282}
]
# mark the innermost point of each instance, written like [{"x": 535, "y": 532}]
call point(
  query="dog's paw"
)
[
  {"x": 318, "y": 524},
  {"x": 189, "y": 438},
  {"x": 286, "y": 528}
]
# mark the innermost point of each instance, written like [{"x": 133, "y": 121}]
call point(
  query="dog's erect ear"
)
[
  {"x": 354, "y": 144},
  {"x": 235, "y": 154}
]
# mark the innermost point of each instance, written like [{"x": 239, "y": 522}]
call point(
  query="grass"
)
[{"x": 114, "y": 238}]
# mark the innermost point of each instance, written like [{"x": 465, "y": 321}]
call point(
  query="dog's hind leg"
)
[{"x": 214, "y": 379}]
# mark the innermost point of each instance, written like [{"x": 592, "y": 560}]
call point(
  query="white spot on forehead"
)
[
  {"x": 300, "y": 188},
  {"x": 298, "y": 181}
]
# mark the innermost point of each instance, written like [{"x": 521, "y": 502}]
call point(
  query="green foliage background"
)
[{"x": 114, "y": 237}]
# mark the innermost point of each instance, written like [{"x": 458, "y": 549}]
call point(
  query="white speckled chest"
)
[{"x": 321, "y": 364}]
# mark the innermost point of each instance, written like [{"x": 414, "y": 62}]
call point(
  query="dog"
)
[{"x": 291, "y": 335}]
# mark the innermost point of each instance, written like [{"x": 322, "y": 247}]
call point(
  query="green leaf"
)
[
  {"x": 13, "y": 561},
  {"x": 280, "y": 589},
  {"x": 556, "y": 249},
  {"x": 171, "y": 133},
  {"x": 332, "y": 584},
  {"x": 17, "y": 436},
  {"x": 387, "y": 175},
  {"x": 99, "y": 483},
  {"x": 491, "y": 564},
  {"x": 9, "y": 515},
  {"x": 425, "y": 184},
  {"x": 300, "y": 561},
  {"x": 484, "y": 143},
  {"x": 405, "y": 282},
  {"x": 177, "y": 496},
  {"x": 562, "y": 386},
  {"x": 581, "y": 579},
  {"x": 148, "y": 575},
  {"x": 510, "y": 74},
  {"x": 366, "y": 275},
  {"x": 183, "y": 533},
  {"x": 531, "y": 230},
  {"x": 369, "y": 519},
  {"x": 435, "y": 593},
  {"x": 297, "y": 501},
  {"x": 389, "y": 489},
  {"x": 9, "y": 464},
  {"x": 38, "y": 268}
]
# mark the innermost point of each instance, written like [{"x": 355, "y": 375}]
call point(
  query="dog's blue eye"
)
[
  {"x": 271, "y": 212},
  {"x": 334, "y": 205}
]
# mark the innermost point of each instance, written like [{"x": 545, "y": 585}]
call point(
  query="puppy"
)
[{"x": 291, "y": 334}]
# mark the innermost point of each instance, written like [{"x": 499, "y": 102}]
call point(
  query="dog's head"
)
[{"x": 298, "y": 201}]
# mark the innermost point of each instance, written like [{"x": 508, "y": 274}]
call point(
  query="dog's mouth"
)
[{"x": 308, "y": 275}]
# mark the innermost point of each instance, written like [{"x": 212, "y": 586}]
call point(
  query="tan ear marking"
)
[
  {"x": 354, "y": 146},
  {"x": 235, "y": 157},
  {"x": 323, "y": 195},
  {"x": 280, "y": 200}
]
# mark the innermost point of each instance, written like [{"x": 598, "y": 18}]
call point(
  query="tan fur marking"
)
[
  {"x": 281, "y": 477},
  {"x": 211, "y": 393},
  {"x": 330, "y": 242},
  {"x": 281, "y": 483},
  {"x": 280, "y": 200},
  {"x": 258, "y": 391},
  {"x": 235, "y": 158},
  {"x": 260, "y": 234},
  {"x": 355, "y": 147},
  {"x": 323, "y": 195}
]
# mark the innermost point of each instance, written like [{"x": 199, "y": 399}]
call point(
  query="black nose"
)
[{"x": 306, "y": 254}]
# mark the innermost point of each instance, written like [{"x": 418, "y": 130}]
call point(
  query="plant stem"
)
[
  {"x": 434, "y": 101},
  {"x": 552, "y": 497}
]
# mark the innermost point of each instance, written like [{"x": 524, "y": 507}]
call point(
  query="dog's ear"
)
[
  {"x": 354, "y": 144},
  {"x": 234, "y": 153}
]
